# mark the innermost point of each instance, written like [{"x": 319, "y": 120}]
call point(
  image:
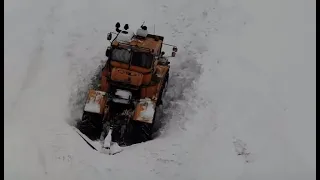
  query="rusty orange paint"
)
[
  {"x": 137, "y": 111},
  {"x": 104, "y": 81},
  {"x": 152, "y": 92},
  {"x": 140, "y": 69},
  {"x": 132, "y": 68},
  {"x": 126, "y": 76},
  {"x": 149, "y": 92},
  {"x": 104, "y": 84},
  {"x": 119, "y": 65},
  {"x": 146, "y": 79},
  {"x": 161, "y": 70}
]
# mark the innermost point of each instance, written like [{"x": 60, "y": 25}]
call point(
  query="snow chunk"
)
[
  {"x": 121, "y": 101},
  {"x": 142, "y": 33},
  {"x": 125, "y": 38},
  {"x": 92, "y": 107},
  {"x": 107, "y": 140},
  {"x": 115, "y": 148},
  {"x": 123, "y": 94}
]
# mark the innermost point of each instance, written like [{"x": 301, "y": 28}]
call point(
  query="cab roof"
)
[{"x": 150, "y": 43}]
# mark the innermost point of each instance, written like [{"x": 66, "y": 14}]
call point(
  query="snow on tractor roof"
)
[
  {"x": 142, "y": 32},
  {"x": 125, "y": 37},
  {"x": 150, "y": 43}
]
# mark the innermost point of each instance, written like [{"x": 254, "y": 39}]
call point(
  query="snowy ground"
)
[{"x": 240, "y": 104}]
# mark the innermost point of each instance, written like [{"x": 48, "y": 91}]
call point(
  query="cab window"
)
[
  {"x": 121, "y": 55},
  {"x": 142, "y": 59}
]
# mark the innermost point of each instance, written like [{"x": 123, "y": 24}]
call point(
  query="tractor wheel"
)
[
  {"x": 163, "y": 89},
  {"x": 140, "y": 131},
  {"x": 137, "y": 131},
  {"x": 90, "y": 125}
]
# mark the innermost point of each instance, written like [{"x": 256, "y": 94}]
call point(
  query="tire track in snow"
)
[
  {"x": 37, "y": 57},
  {"x": 37, "y": 60}
]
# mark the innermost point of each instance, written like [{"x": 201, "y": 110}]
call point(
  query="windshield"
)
[
  {"x": 140, "y": 59},
  {"x": 121, "y": 55}
]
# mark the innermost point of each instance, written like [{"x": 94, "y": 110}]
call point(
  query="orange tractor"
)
[{"x": 132, "y": 84}]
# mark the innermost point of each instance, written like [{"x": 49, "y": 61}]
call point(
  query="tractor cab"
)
[
  {"x": 135, "y": 50},
  {"x": 129, "y": 57},
  {"x": 134, "y": 59}
]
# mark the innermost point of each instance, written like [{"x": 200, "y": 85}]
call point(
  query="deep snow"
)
[{"x": 240, "y": 102}]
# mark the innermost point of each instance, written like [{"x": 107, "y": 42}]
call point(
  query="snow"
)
[
  {"x": 142, "y": 33},
  {"x": 92, "y": 107},
  {"x": 110, "y": 147},
  {"x": 107, "y": 139},
  {"x": 242, "y": 81},
  {"x": 121, "y": 101},
  {"x": 123, "y": 94},
  {"x": 125, "y": 38}
]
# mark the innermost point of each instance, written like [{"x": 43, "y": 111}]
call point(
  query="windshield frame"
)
[{"x": 133, "y": 52}]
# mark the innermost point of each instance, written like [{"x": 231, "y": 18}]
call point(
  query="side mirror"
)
[
  {"x": 109, "y": 37},
  {"x": 108, "y": 51},
  {"x": 162, "y": 53},
  {"x": 173, "y": 54}
]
